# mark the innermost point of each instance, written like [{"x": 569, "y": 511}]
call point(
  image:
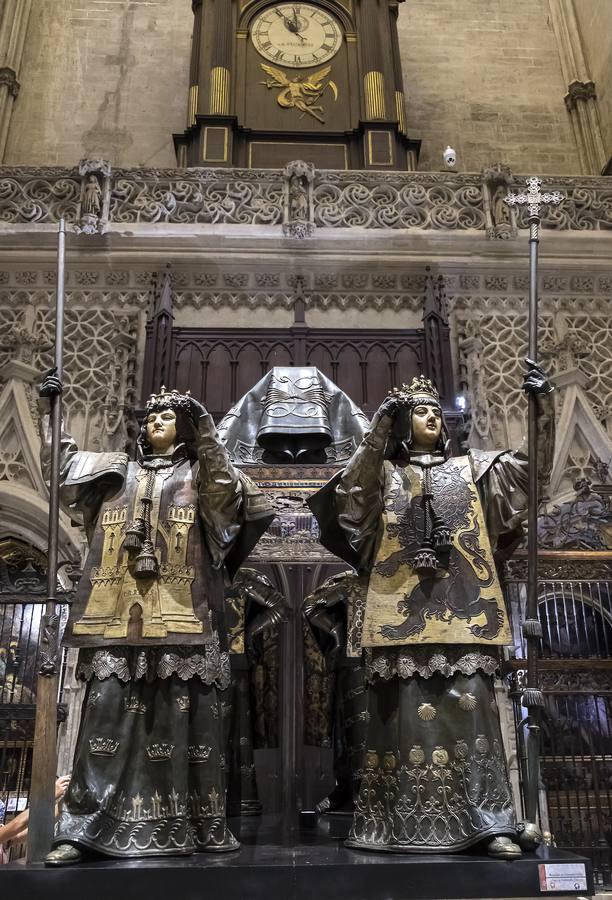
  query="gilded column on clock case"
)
[
  {"x": 194, "y": 69},
  {"x": 400, "y": 100},
  {"x": 375, "y": 107},
  {"x": 221, "y": 58}
]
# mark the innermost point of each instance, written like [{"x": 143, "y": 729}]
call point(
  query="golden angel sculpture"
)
[{"x": 301, "y": 94}]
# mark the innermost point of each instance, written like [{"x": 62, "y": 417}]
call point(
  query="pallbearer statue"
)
[
  {"x": 149, "y": 769},
  {"x": 332, "y": 611},
  {"x": 254, "y": 611},
  {"x": 425, "y": 525}
]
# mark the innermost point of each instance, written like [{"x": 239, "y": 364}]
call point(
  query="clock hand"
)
[
  {"x": 296, "y": 25},
  {"x": 289, "y": 25}
]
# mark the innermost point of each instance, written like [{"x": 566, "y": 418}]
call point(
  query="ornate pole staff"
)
[
  {"x": 44, "y": 762},
  {"x": 533, "y": 699}
]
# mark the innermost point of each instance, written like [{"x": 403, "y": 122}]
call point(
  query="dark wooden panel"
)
[{"x": 219, "y": 365}]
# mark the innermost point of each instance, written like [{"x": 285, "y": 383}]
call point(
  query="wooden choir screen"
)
[{"x": 220, "y": 365}]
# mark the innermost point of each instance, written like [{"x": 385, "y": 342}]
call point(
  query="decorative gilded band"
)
[
  {"x": 374, "y": 88},
  {"x": 400, "y": 111},
  {"x": 193, "y": 105},
  {"x": 219, "y": 91}
]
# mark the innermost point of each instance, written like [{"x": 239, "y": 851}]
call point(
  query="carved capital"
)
[
  {"x": 579, "y": 90},
  {"x": 8, "y": 77},
  {"x": 498, "y": 174},
  {"x": 95, "y": 167}
]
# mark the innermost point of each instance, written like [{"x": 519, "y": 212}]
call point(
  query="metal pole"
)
[
  {"x": 532, "y": 697},
  {"x": 42, "y": 793}
]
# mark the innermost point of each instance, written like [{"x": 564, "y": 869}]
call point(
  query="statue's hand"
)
[
  {"x": 51, "y": 385},
  {"x": 388, "y": 409},
  {"x": 535, "y": 381},
  {"x": 196, "y": 409}
]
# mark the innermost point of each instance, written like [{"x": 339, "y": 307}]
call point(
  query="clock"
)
[
  {"x": 296, "y": 35},
  {"x": 274, "y": 81}
]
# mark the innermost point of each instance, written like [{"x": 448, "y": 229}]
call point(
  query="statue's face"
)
[
  {"x": 161, "y": 430},
  {"x": 426, "y": 426}
]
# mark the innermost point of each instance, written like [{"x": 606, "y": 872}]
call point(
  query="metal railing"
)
[{"x": 575, "y": 610}]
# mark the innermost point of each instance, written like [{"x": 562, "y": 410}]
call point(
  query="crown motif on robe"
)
[
  {"x": 183, "y": 704},
  {"x": 159, "y": 752},
  {"x": 134, "y": 705},
  {"x": 420, "y": 388},
  {"x": 198, "y": 753},
  {"x": 168, "y": 400},
  {"x": 100, "y": 746}
]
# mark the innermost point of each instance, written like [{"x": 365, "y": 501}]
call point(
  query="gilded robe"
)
[
  {"x": 149, "y": 770},
  {"x": 434, "y": 775}
]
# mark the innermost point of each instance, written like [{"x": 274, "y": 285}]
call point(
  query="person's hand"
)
[
  {"x": 51, "y": 385},
  {"x": 535, "y": 381},
  {"x": 61, "y": 786}
]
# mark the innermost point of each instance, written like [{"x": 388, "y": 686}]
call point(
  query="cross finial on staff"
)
[{"x": 534, "y": 199}]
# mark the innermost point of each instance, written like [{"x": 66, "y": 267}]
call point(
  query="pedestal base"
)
[{"x": 273, "y": 865}]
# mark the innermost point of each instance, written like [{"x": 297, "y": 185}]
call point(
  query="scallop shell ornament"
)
[
  {"x": 427, "y": 712},
  {"x": 468, "y": 702}
]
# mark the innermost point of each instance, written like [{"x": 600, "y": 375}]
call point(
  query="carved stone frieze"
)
[
  {"x": 591, "y": 681},
  {"x": 208, "y": 196},
  {"x": 568, "y": 568},
  {"x": 583, "y": 523},
  {"x": 319, "y": 198},
  {"x": 566, "y": 681}
]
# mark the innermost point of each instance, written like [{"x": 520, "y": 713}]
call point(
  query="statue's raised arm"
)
[{"x": 87, "y": 478}]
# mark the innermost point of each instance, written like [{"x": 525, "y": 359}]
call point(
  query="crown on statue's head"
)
[
  {"x": 420, "y": 388},
  {"x": 168, "y": 400}
]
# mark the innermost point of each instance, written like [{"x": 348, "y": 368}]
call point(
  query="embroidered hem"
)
[
  {"x": 210, "y": 664},
  {"x": 426, "y": 661}
]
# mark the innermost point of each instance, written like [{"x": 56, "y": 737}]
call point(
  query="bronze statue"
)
[
  {"x": 332, "y": 611},
  {"x": 149, "y": 768},
  {"x": 424, "y": 526},
  {"x": 255, "y": 610}
]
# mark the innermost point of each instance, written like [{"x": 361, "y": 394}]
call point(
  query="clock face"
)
[{"x": 297, "y": 35}]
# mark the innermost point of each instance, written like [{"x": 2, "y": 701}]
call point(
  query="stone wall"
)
[
  {"x": 595, "y": 23},
  {"x": 109, "y": 78},
  {"x": 484, "y": 76},
  {"x": 102, "y": 78}
]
